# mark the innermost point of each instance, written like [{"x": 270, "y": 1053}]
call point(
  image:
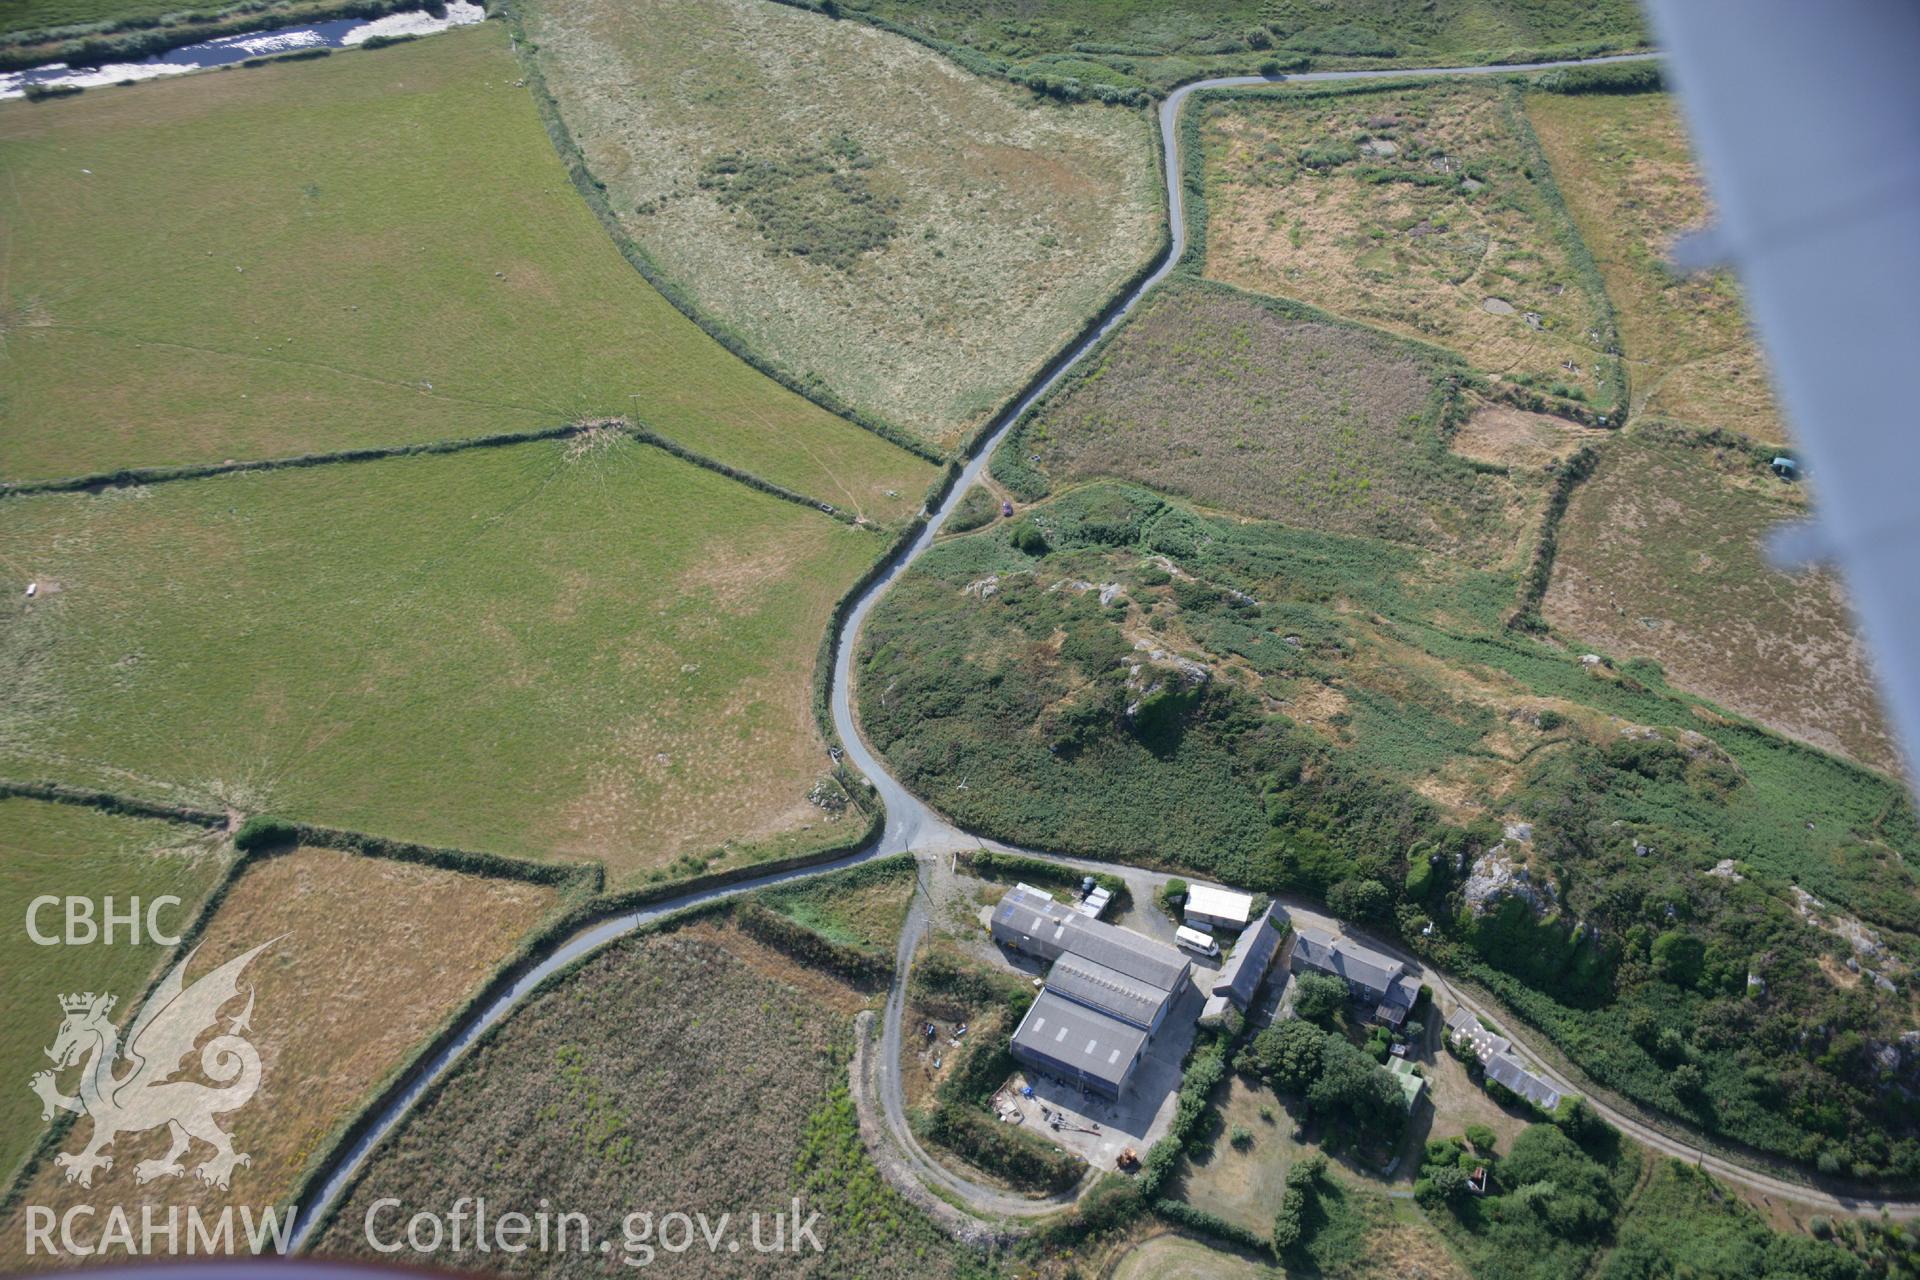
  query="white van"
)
[{"x": 1201, "y": 944}]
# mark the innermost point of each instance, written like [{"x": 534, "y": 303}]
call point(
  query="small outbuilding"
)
[{"x": 1211, "y": 907}]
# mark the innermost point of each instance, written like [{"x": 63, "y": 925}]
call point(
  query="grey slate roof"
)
[
  {"x": 1108, "y": 990},
  {"x": 1252, "y": 956},
  {"x": 1500, "y": 1064},
  {"x": 1125, "y": 951},
  {"x": 1079, "y": 1040},
  {"x": 1505, "y": 1068},
  {"x": 1361, "y": 966},
  {"x": 1029, "y": 911}
]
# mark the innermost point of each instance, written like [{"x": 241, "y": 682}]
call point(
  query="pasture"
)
[
  {"x": 1624, "y": 164},
  {"x": 1139, "y": 43},
  {"x": 915, "y": 239},
  {"x": 1270, "y": 410},
  {"x": 61, "y": 850},
  {"x": 1660, "y": 556},
  {"x": 367, "y": 957},
  {"x": 730, "y": 1098},
  {"x": 1419, "y": 210},
  {"x": 1358, "y": 1231},
  {"x": 376, "y": 248},
  {"x": 579, "y": 649}
]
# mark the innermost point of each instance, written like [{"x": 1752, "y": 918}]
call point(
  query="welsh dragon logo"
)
[{"x": 144, "y": 1096}]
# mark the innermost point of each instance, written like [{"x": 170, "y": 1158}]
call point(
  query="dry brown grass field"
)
[
  {"x": 855, "y": 206},
  {"x": 1413, "y": 209},
  {"x": 690, "y": 1071},
  {"x": 1624, "y": 164},
  {"x": 1242, "y": 404},
  {"x": 1660, "y": 556},
  {"x": 367, "y": 957},
  {"x": 1508, "y": 437}
]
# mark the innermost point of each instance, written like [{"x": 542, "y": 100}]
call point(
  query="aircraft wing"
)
[{"x": 1806, "y": 117}]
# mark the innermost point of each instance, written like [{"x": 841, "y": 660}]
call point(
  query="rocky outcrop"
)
[{"x": 1497, "y": 875}]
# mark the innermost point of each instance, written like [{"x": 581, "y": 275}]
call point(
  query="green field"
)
[
  {"x": 1139, "y": 43},
  {"x": 915, "y": 239},
  {"x": 1625, "y": 166},
  {"x": 61, "y": 850},
  {"x": 39, "y": 15},
  {"x": 582, "y": 649},
  {"x": 733, "y": 1101},
  {"x": 370, "y": 249},
  {"x": 1272, "y": 410},
  {"x": 1421, "y": 210}
]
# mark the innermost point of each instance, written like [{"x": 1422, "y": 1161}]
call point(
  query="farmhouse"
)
[
  {"x": 1240, "y": 977},
  {"x": 1104, "y": 999},
  {"x": 1371, "y": 978},
  {"x": 1498, "y": 1060},
  {"x": 1209, "y": 907}
]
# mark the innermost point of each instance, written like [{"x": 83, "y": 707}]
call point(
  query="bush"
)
[
  {"x": 1241, "y": 1137},
  {"x": 1630, "y": 77},
  {"x": 262, "y": 832},
  {"x": 1027, "y": 537},
  {"x": 1359, "y": 899},
  {"x": 1481, "y": 1137},
  {"x": 1172, "y": 894},
  {"x": 1319, "y": 997}
]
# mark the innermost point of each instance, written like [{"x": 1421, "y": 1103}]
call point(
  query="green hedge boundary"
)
[
  {"x": 582, "y": 903},
  {"x": 128, "y": 476},
  {"x": 594, "y": 192},
  {"x": 1540, "y": 173},
  {"x": 574, "y": 881},
  {"x": 1606, "y": 322},
  {"x": 557, "y": 930},
  {"x": 1568, "y": 475},
  {"x": 639, "y": 433}
]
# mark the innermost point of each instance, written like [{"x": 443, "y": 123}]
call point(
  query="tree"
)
[
  {"x": 1317, "y": 997},
  {"x": 1441, "y": 1184},
  {"x": 1688, "y": 1080},
  {"x": 1028, "y": 538},
  {"x": 1359, "y": 899},
  {"x": 1564, "y": 1187},
  {"x": 1355, "y": 1086},
  {"x": 1287, "y": 1054},
  {"x": 1481, "y": 1136},
  {"x": 1678, "y": 957}
]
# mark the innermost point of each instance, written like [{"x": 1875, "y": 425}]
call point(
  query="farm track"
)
[{"x": 913, "y": 826}]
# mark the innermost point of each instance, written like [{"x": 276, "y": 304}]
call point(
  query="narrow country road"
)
[{"x": 913, "y": 826}]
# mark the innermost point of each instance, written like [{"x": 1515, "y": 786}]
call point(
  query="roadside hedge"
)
[{"x": 859, "y": 966}]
